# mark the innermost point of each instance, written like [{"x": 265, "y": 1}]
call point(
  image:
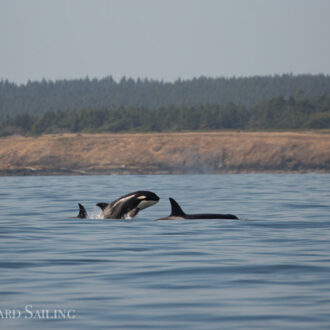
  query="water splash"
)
[{"x": 95, "y": 214}]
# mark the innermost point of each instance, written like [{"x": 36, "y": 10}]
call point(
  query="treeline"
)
[
  {"x": 38, "y": 98},
  {"x": 277, "y": 113}
]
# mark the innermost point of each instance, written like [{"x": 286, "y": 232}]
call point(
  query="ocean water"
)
[{"x": 270, "y": 270}]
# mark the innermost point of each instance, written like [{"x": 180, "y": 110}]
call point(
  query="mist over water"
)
[{"x": 268, "y": 271}]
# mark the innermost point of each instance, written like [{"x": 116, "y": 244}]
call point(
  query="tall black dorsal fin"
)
[
  {"x": 176, "y": 209},
  {"x": 82, "y": 212},
  {"x": 102, "y": 206}
]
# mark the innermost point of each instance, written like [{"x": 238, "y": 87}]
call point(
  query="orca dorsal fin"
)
[
  {"x": 82, "y": 212},
  {"x": 102, "y": 206},
  {"x": 176, "y": 210}
]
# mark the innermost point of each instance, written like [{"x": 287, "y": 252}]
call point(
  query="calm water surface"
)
[{"x": 270, "y": 270}]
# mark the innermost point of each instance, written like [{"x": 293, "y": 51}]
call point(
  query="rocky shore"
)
[{"x": 166, "y": 153}]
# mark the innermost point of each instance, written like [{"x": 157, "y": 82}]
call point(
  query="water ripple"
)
[{"x": 270, "y": 271}]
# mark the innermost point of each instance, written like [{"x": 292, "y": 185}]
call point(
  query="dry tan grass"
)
[{"x": 211, "y": 152}]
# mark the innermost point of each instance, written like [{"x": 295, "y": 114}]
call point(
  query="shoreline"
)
[
  {"x": 67, "y": 172},
  {"x": 223, "y": 152}
]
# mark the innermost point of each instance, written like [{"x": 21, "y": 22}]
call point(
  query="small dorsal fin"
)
[
  {"x": 102, "y": 206},
  {"x": 176, "y": 210},
  {"x": 82, "y": 212}
]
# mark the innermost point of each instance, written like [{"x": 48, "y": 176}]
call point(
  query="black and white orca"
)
[
  {"x": 128, "y": 206},
  {"x": 177, "y": 213}
]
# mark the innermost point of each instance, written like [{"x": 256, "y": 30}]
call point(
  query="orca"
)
[
  {"x": 128, "y": 206},
  {"x": 82, "y": 212},
  {"x": 177, "y": 213}
]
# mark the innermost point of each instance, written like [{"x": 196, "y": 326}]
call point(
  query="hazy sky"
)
[{"x": 162, "y": 39}]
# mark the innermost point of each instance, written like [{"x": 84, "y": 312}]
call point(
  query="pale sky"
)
[{"x": 162, "y": 39}]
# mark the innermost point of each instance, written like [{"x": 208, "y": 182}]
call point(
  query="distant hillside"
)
[
  {"x": 37, "y": 98},
  {"x": 169, "y": 153},
  {"x": 277, "y": 113}
]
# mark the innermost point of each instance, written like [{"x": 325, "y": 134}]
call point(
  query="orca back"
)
[{"x": 177, "y": 213}]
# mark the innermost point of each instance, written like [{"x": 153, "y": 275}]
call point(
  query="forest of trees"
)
[
  {"x": 37, "y": 98},
  {"x": 294, "y": 112}
]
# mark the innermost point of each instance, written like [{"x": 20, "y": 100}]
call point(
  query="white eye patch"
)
[
  {"x": 141, "y": 197},
  {"x": 144, "y": 204}
]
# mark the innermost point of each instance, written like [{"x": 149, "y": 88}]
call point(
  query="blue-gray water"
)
[{"x": 269, "y": 271}]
